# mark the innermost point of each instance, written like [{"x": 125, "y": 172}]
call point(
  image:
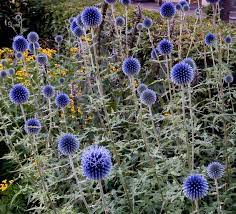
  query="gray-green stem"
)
[
  {"x": 102, "y": 196},
  {"x": 219, "y": 211}
]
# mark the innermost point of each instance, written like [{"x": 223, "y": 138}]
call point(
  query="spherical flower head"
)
[
  {"x": 147, "y": 23},
  {"x": 178, "y": 6},
  {"x": 68, "y": 144},
  {"x": 62, "y": 80},
  {"x": 215, "y": 170},
  {"x": 33, "y": 46},
  {"x": 62, "y": 100},
  {"x": 125, "y": 2},
  {"x": 4, "y": 62},
  {"x": 91, "y": 17},
  {"x": 228, "y": 39},
  {"x": 182, "y": 74},
  {"x": 183, "y": 2},
  {"x": 79, "y": 20},
  {"x": 131, "y": 66},
  {"x": 11, "y": 71},
  {"x": 33, "y": 37},
  {"x": 48, "y": 91},
  {"x": 186, "y": 7},
  {"x": 96, "y": 162},
  {"x": 141, "y": 88},
  {"x": 212, "y": 1},
  {"x": 139, "y": 26},
  {"x": 110, "y": 1},
  {"x": 18, "y": 55},
  {"x": 73, "y": 24},
  {"x": 58, "y": 39},
  {"x": 32, "y": 126},
  {"x": 20, "y": 44},
  {"x": 195, "y": 187},
  {"x": 154, "y": 53},
  {"x": 19, "y": 94},
  {"x": 165, "y": 47},
  {"x": 190, "y": 62},
  {"x": 78, "y": 31},
  {"x": 3, "y": 74},
  {"x": 148, "y": 97},
  {"x": 210, "y": 39},
  {"x": 120, "y": 21},
  {"x": 167, "y": 10},
  {"x": 229, "y": 78},
  {"x": 42, "y": 59}
]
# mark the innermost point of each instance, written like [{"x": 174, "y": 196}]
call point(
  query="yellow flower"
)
[
  {"x": 3, "y": 187},
  {"x": 4, "y": 181},
  {"x": 167, "y": 114},
  {"x": 74, "y": 50}
]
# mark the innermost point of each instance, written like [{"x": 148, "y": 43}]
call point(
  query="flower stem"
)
[
  {"x": 218, "y": 197},
  {"x": 196, "y": 207},
  {"x": 23, "y": 112},
  {"x": 126, "y": 29},
  {"x": 102, "y": 196}
]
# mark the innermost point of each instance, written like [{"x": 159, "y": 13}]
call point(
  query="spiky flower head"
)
[
  {"x": 165, "y": 47},
  {"x": 73, "y": 24},
  {"x": 33, "y": 37},
  {"x": 3, "y": 74},
  {"x": 139, "y": 26},
  {"x": 4, "y": 62},
  {"x": 62, "y": 80},
  {"x": 18, "y": 55},
  {"x": 195, "y": 187},
  {"x": 96, "y": 162},
  {"x": 154, "y": 53},
  {"x": 120, "y": 21},
  {"x": 125, "y": 2},
  {"x": 167, "y": 10},
  {"x": 71, "y": 19},
  {"x": 212, "y": 1},
  {"x": 178, "y": 6},
  {"x": 228, "y": 39},
  {"x": 186, "y": 7},
  {"x": 110, "y": 1},
  {"x": 58, "y": 39},
  {"x": 11, "y": 71},
  {"x": 182, "y": 74},
  {"x": 141, "y": 88},
  {"x": 78, "y": 31},
  {"x": 91, "y": 17},
  {"x": 183, "y": 2},
  {"x": 79, "y": 20},
  {"x": 68, "y": 144},
  {"x": 62, "y": 100},
  {"x": 148, "y": 97},
  {"x": 20, "y": 44},
  {"x": 42, "y": 59},
  {"x": 33, "y": 46},
  {"x": 48, "y": 91},
  {"x": 19, "y": 94},
  {"x": 32, "y": 126},
  {"x": 190, "y": 62},
  {"x": 215, "y": 170},
  {"x": 210, "y": 38},
  {"x": 147, "y": 23},
  {"x": 131, "y": 66},
  {"x": 229, "y": 78}
]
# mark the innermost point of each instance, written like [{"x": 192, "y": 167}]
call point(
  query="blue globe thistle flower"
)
[
  {"x": 58, "y": 39},
  {"x": 32, "y": 126},
  {"x": 42, "y": 59},
  {"x": 19, "y": 94},
  {"x": 11, "y": 71},
  {"x": 183, "y": 2},
  {"x": 210, "y": 39},
  {"x": 33, "y": 46},
  {"x": 141, "y": 88},
  {"x": 139, "y": 26},
  {"x": 78, "y": 31},
  {"x": 33, "y": 37},
  {"x": 110, "y": 1},
  {"x": 68, "y": 144},
  {"x": 147, "y": 22},
  {"x": 186, "y": 7},
  {"x": 62, "y": 100},
  {"x": 131, "y": 66},
  {"x": 178, "y": 6},
  {"x": 62, "y": 80},
  {"x": 125, "y": 2},
  {"x": 167, "y": 10},
  {"x": 165, "y": 47},
  {"x": 3, "y": 74},
  {"x": 18, "y": 55},
  {"x": 182, "y": 74},
  {"x": 154, "y": 53},
  {"x": 229, "y": 78},
  {"x": 73, "y": 24},
  {"x": 20, "y": 44},
  {"x": 120, "y": 21},
  {"x": 215, "y": 170},
  {"x": 96, "y": 162},
  {"x": 48, "y": 91},
  {"x": 148, "y": 97},
  {"x": 71, "y": 19},
  {"x": 195, "y": 187},
  {"x": 79, "y": 20},
  {"x": 91, "y": 17},
  {"x": 212, "y": 1},
  {"x": 228, "y": 39},
  {"x": 190, "y": 62},
  {"x": 4, "y": 62}
]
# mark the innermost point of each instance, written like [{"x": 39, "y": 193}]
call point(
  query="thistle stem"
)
[
  {"x": 218, "y": 197},
  {"x": 102, "y": 196},
  {"x": 126, "y": 29},
  {"x": 196, "y": 207},
  {"x": 23, "y": 112}
]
